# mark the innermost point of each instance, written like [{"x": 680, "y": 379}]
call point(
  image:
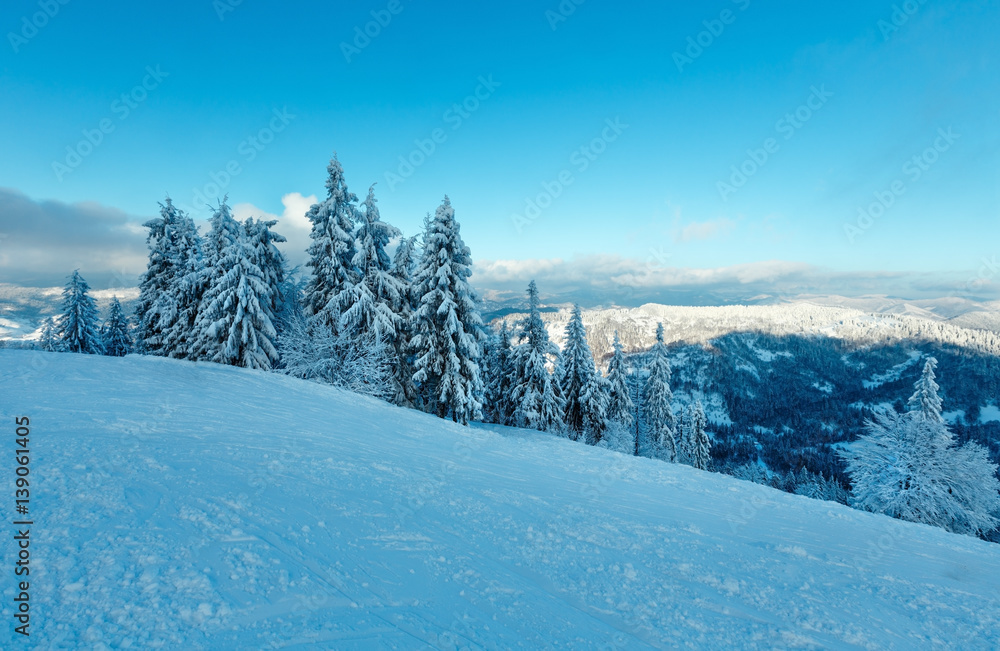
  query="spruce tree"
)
[
  {"x": 537, "y": 403},
  {"x": 48, "y": 340},
  {"x": 925, "y": 399},
  {"x": 594, "y": 401},
  {"x": 332, "y": 250},
  {"x": 684, "y": 435},
  {"x": 78, "y": 323},
  {"x": 224, "y": 230},
  {"x": 909, "y": 466},
  {"x": 498, "y": 377},
  {"x": 446, "y": 326},
  {"x": 636, "y": 386},
  {"x": 577, "y": 373},
  {"x": 223, "y": 234},
  {"x": 369, "y": 303},
  {"x": 177, "y": 306},
  {"x": 487, "y": 368},
  {"x": 155, "y": 282},
  {"x": 657, "y": 398},
  {"x": 620, "y": 405},
  {"x": 403, "y": 260},
  {"x": 699, "y": 445},
  {"x": 270, "y": 260},
  {"x": 236, "y": 320},
  {"x": 402, "y": 270},
  {"x": 115, "y": 336}
]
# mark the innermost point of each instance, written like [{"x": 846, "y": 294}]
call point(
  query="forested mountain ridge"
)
[{"x": 785, "y": 386}]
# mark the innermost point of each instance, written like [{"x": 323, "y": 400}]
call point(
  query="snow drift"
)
[{"x": 181, "y": 505}]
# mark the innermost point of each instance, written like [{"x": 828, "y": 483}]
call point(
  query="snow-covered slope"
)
[
  {"x": 637, "y": 326},
  {"x": 194, "y": 506}
]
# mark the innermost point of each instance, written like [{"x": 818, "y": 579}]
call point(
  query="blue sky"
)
[{"x": 875, "y": 90}]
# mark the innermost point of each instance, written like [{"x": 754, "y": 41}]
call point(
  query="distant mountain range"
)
[
  {"x": 864, "y": 321},
  {"x": 22, "y": 310}
]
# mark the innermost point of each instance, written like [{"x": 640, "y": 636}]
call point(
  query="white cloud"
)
[
  {"x": 704, "y": 230},
  {"x": 292, "y": 223},
  {"x": 610, "y": 270},
  {"x": 42, "y": 242},
  {"x": 607, "y": 279}
]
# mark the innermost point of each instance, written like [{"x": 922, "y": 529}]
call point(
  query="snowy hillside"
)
[
  {"x": 637, "y": 326},
  {"x": 184, "y": 505}
]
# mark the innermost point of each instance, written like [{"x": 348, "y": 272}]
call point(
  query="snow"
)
[
  {"x": 825, "y": 387},
  {"x": 184, "y": 505},
  {"x": 701, "y": 325},
  {"x": 957, "y": 416},
  {"x": 894, "y": 373},
  {"x": 989, "y": 414},
  {"x": 762, "y": 354}
]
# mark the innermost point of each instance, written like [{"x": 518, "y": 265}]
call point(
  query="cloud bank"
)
[
  {"x": 613, "y": 280},
  {"x": 42, "y": 242}
]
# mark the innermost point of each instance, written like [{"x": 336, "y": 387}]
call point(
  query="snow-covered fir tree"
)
[
  {"x": 224, "y": 232},
  {"x": 925, "y": 399},
  {"x": 270, "y": 260},
  {"x": 636, "y": 384},
  {"x": 697, "y": 448},
  {"x": 576, "y": 373},
  {"x": 657, "y": 398},
  {"x": 115, "y": 336},
  {"x": 49, "y": 338},
  {"x": 155, "y": 283},
  {"x": 752, "y": 471},
  {"x": 369, "y": 303},
  {"x": 908, "y": 466},
  {"x": 683, "y": 435},
  {"x": 78, "y": 328},
  {"x": 594, "y": 403},
  {"x": 498, "y": 377},
  {"x": 178, "y": 306},
  {"x": 820, "y": 487},
  {"x": 446, "y": 326},
  {"x": 620, "y": 405},
  {"x": 313, "y": 351},
  {"x": 332, "y": 252},
  {"x": 486, "y": 370},
  {"x": 236, "y": 323},
  {"x": 403, "y": 263},
  {"x": 619, "y": 438},
  {"x": 537, "y": 404},
  {"x": 404, "y": 259}
]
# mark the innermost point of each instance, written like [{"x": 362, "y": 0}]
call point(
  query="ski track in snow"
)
[{"x": 182, "y": 505}]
